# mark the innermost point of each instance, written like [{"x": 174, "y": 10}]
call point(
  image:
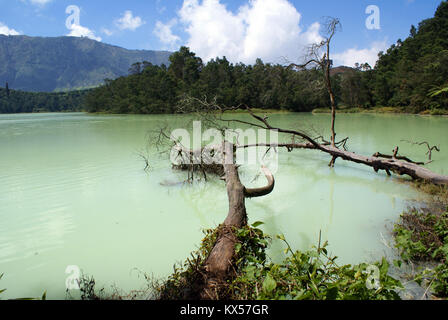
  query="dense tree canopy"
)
[
  {"x": 12, "y": 101},
  {"x": 159, "y": 89},
  {"x": 407, "y": 73}
]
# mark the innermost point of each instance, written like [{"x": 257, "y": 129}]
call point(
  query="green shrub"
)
[
  {"x": 423, "y": 237},
  {"x": 312, "y": 275}
]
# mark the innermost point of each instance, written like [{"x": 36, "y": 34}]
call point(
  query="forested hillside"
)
[
  {"x": 412, "y": 69},
  {"x": 65, "y": 63}
]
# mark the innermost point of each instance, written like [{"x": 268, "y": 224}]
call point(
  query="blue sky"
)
[{"x": 274, "y": 30}]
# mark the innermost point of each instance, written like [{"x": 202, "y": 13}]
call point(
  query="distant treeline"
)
[
  {"x": 407, "y": 76},
  {"x": 12, "y": 101}
]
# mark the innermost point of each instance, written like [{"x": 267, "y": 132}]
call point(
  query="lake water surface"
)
[{"x": 73, "y": 192}]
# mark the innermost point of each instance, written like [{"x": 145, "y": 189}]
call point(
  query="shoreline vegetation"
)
[
  {"x": 383, "y": 110},
  {"x": 375, "y": 110},
  {"x": 420, "y": 240}
]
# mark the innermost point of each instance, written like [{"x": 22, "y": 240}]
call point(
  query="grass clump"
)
[
  {"x": 435, "y": 112},
  {"x": 438, "y": 201}
]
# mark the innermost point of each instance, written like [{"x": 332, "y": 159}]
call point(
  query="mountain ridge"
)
[{"x": 49, "y": 64}]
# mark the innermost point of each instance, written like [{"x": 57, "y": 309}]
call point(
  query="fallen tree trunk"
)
[
  {"x": 399, "y": 165},
  {"x": 218, "y": 265}
]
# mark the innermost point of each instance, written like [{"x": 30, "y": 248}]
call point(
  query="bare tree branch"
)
[{"x": 430, "y": 148}]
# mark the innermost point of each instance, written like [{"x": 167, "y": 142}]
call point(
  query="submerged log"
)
[{"x": 207, "y": 160}]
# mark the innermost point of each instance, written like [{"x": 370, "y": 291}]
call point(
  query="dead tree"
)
[
  {"x": 219, "y": 263},
  {"x": 319, "y": 56},
  {"x": 218, "y": 268}
]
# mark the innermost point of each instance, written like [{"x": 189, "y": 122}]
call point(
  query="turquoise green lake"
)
[{"x": 73, "y": 192}]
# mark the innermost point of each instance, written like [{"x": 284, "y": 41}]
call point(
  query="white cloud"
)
[
  {"x": 37, "y": 2},
  {"x": 129, "y": 22},
  {"x": 266, "y": 29},
  {"x": 107, "y": 32},
  {"x": 80, "y": 31},
  {"x": 7, "y": 31},
  {"x": 40, "y": 2},
  {"x": 165, "y": 34},
  {"x": 354, "y": 55}
]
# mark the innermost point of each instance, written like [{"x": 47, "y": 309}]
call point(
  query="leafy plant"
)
[
  {"x": 438, "y": 91},
  {"x": 313, "y": 275}
]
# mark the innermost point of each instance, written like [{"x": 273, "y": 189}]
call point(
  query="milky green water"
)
[{"x": 73, "y": 192}]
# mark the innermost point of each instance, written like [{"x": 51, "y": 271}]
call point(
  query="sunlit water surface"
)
[{"x": 73, "y": 192}]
